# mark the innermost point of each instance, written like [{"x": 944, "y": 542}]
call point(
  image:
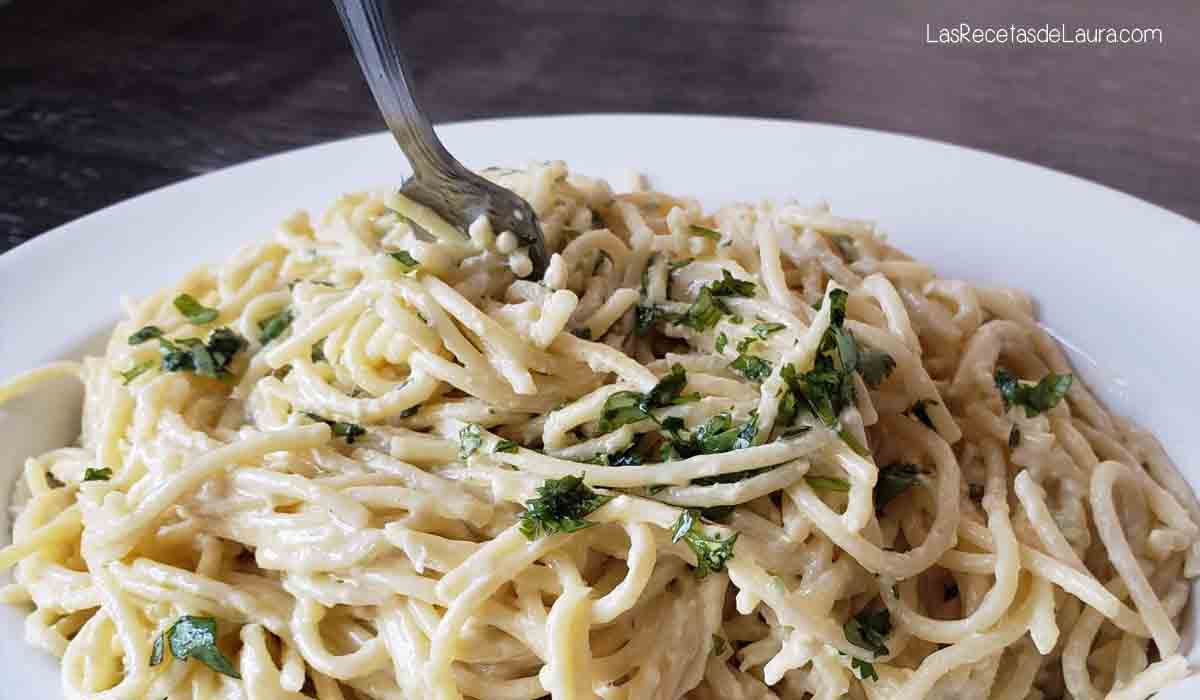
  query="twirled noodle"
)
[{"x": 757, "y": 455}]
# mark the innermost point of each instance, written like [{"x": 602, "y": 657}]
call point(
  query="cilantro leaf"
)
[
  {"x": 827, "y": 483},
  {"x": 273, "y": 327},
  {"x": 144, "y": 334},
  {"x": 194, "y": 311},
  {"x": 209, "y": 358},
  {"x": 894, "y": 479},
  {"x": 704, "y": 312},
  {"x": 865, "y": 669},
  {"x": 506, "y": 446},
  {"x": 762, "y": 330},
  {"x": 918, "y": 411},
  {"x": 722, "y": 341},
  {"x": 469, "y": 440},
  {"x": 407, "y": 262},
  {"x": 136, "y": 371},
  {"x": 561, "y": 505},
  {"x": 196, "y": 637},
  {"x": 711, "y": 552},
  {"x": 875, "y": 366},
  {"x": 1035, "y": 398},
  {"x": 828, "y": 388},
  {"x": 349, "y": 431},
  {"x": 730, "y": 286},
  {"x": 752, "y": 367},
  {"x": 711, "y": 234},
  {"x": 869, "y": 631},
  {"x": 102, "y": 474},
  {"x": 644, "y": 317}
]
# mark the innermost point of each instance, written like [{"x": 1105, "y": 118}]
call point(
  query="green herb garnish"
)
[
  {"x": 407, "y": 262},
  {"x": 827, "y": 483},
  {"x": 711, "y": 234},
  {"x": 711, "y": 552},
  {"x": 194, "y": 311},
  {"x": 730, "y": 286},
  {"x": 762, "y": 330},
  {"x": 752, "y": 367},
  {"x": 869, "y": 631},
  {"x": 561, "y": 505},
  {"x": 194, "y": 638},
  {"x": 1014, "y": 438},
  {"x": 144, "y": 334},
  {"x": 349, "y": 431},
  {"x": 894, "y": 479},
  {"x": 136, "y": 371},
  {"x": 102, "y": 474},
  {"x": 919, "y": 411},
  {"x": 469, "y": 440},
  {"x": 506, "y": 446},
  {"x": 209, "y": 358},
  {"x": 1035, "y": 398},
  {"x": 273, "y": 327},
  {"x": 865, "y": 669},
  {"x": 875, "y": 366}
]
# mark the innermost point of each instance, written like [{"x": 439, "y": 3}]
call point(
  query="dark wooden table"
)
[{"x": 103, "y": 100}]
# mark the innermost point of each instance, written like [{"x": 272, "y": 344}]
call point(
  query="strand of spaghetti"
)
[
  {"x": 567, "y": 673},
  {"x": 63, "y": 527},
  {"x": 23, "y": 383},
  {"x": 601, "y": 358},
  {"x": 971, "y": 650},
  {"x": 121, "y": 536},
  {"x": 1108, "y": 526},
  {"x": 998, "y": 600},
  {"x": 464, "y": 590},
  {"x": 942, "y": 533}
]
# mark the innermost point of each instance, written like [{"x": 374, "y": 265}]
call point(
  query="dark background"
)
[{"x": 102, "y": 100}]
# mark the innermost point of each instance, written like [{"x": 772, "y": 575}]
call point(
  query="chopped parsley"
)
[
  {"x": 506, "y": 446},
  {"x": 704, "y": 312},
  {"x": 209, "y": 358},
  {"x": 194, "y": 311},
  {"x": 561, "y": 505},
  {"x": 869, "y": 631},
  {"x": 273, "y": 327},
  {"x": 144, "y": 334},
  {"x": 317, "y": 353},
  {"x": 719, "y": 434},
  {"x": 894, "y": 479},
  {"x": 752, "y": 367},
  {"x": 730, "y": 286},
  {"x": 711, "y": 234},
  {"x": 625, "y": 407},
  {"x": 194, "y": 638},
  {"x": 722, "y": 341},
  {"x": 919, "y": 411},
  {"x": 407, "y": 262},
  {"x": 865, "y": 669},
  {"x": 762, "y": 330},
  {"x": 828, "y": 388},
  {"x": 643, "y": 318},
  {"x": 349, "y": 431},
  {"x": 469, "y": 440},
  {"x": 875, "y": 366},
  {"x": 92, "y": 474},
  {"x": 711, "y": 552},
  {"x": 136, "y": 371},
  {"x": 1035, "y": 398},
  {"x": 827, "y": 483}
]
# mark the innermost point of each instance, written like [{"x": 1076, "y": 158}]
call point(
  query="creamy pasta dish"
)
[{"x": 753, "y": 454}]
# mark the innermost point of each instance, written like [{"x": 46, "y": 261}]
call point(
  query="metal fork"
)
[{"x": 438, "y": 181}]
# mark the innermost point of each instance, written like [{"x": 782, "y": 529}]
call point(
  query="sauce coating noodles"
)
[{"x": 748, "y": 455}]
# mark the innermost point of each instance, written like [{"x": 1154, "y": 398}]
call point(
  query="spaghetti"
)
[{"x": 755, "y": 454}]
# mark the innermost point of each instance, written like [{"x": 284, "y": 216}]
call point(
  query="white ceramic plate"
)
[{"x": 1115, "y": 277}]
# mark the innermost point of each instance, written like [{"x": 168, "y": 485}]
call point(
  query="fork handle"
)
[{"x": 371, "y": 28}]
